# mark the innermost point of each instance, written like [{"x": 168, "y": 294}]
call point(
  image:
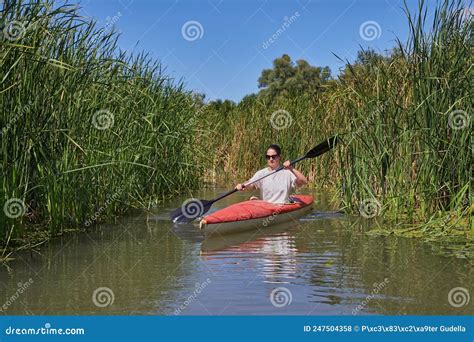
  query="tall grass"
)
[
  {"x": 416, "y": 155},
  {"x": 404, "y": 120},
  {"x": 86, "y": 128}
]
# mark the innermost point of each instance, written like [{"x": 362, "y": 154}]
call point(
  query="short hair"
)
[{"x": 275, "y": 147}]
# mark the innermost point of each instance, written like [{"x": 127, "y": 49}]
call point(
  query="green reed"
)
[{"x": 86, "y": 128}]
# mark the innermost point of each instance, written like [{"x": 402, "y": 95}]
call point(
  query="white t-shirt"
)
[{"x": 275, "y": 188}]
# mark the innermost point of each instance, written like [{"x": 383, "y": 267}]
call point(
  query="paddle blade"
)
[
  {"x": 190, "y": 210},
  {"x": 322, "y": 148}
]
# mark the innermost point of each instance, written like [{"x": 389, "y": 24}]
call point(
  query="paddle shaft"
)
[{"x": 258, "y": 179}]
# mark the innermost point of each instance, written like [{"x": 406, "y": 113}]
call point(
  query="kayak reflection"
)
[
  {"x": 247, "y": 241},
  {"x": 275, "y": 247}
]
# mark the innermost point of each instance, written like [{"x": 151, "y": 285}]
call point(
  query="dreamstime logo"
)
[
  {"x": 22, "y": 287},
  {"x": 14, "y": 30},
  {"x": 459, "y": 119},
  {"x": 192, "y": 208},
  {"x": 15, "y": 118},
  {"x": 280, "y": 297},
  {"x": 99, "y": 212},
  {"x": 458, "y": 296},
  {"x": 103, "y": 119},
  {"x": 197, "y": 111},
  {"x": 376, "y": 289},
  {"x": 269, "y": 219},
  {"x": 286, "y": 24},
  {"x": 102, "y": 297},
  {"x": 369, "y": 208},
  {"x": 281, "y": 119},
  {"x": 370, "y": 30},
  {"x": 111, "y": 21},
  {"x": 14, "y": 208},
  {"x": 192, "y": 30},
  {"x": 199, "y": 287}
]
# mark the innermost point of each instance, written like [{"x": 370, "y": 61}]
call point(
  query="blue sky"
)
[{"x": 227, "y": 45}]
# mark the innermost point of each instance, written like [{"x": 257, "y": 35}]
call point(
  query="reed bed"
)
[
  {"x": 404, "y": 121},
  {"x": 88, "y": 131}
]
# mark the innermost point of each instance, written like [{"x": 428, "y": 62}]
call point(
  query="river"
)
[{"x": 324, "y": 264}]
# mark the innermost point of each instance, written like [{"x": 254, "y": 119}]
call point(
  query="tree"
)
[
  {"x": 288, "y": 78},
  {"x": 367, "y": 62},
  {"x": 225, "y": 107}
]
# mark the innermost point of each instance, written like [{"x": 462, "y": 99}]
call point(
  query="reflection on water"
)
[
  {"x": 323, "y": 264},
  {"x": 274, "y": 248}
]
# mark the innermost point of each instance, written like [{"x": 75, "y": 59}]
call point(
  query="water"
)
[{"x": 323, "y": 265}]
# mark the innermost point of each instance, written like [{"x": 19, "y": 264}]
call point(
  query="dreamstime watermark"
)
[
  {"x": 192, "y": 208},
  {"x": 192, "y": 30},
  {"x": 46, "y": 330},
  {"x": 286, "y": 24},
  {"x": 103, "y": 297},
  {"x": 99, "y": 212},
  {"x": 459, "y": 119},
  {"x": 111, "y": 21},
  {"x": 280, "y": 297},
  {"x": 281, "y": 119},
  {"x": 370, "y": 208},
  {"x": 199, "y": 287},
  {"x": 191, "y": 122},
  {"x": 14, "y": 30},
  {"x": 198, "y": 111},
  {"x": 270, "y": 218},
  {"x": 15, "y": 118},
  {"x": 370, "y": 30},
  {"x": 21, "y": 288},
  {"x": 458, "y": 297},
  {"x": 14, "y": 208},
  {"x": 103, "y": 119},
  {"x": 376, "y": 289}
]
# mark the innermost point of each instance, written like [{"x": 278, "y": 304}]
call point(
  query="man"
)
[{"x": 277, "y": 187}]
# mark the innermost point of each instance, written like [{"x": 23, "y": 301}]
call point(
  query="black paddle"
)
[{"x": 194, "y": 208}]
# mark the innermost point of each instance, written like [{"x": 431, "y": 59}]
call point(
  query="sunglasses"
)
[{"x": 273, "y": 156}]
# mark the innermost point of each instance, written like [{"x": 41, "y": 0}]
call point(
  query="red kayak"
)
[{"x": 254, "y": 214}]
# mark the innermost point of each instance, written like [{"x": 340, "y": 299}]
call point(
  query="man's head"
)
[{"x": 273, "y": 156}]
